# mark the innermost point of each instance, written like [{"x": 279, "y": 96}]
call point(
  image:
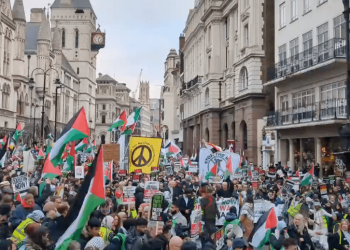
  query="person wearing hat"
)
[{"x": 238, "y": 244}]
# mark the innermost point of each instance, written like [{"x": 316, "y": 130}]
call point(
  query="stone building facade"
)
[
  {"x": 112, "y": 98},
  {"x": 228, "y": 47},
  {"x": 60, "y": 41}
]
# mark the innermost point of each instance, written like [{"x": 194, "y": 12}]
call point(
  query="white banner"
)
[{"x": 79, "y": 172}]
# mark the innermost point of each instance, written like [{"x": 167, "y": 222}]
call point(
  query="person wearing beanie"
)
[
  {"x": 278, "y": 238},
  {"x": 238, "y": 244},
  {"x": 136, "y": 232}
]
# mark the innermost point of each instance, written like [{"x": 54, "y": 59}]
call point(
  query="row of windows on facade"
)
[
  {"x": 294, "y": 10},
  {"x": 330, "y": 94},
  {"x": 322, "y": 38}
]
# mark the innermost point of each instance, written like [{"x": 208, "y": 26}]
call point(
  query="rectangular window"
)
[
  {"x": 307, "y": 7},
  {"x": 294, "y": 10},
  {"x": 282, "y": 54},
  {"x": 282, "y": 15},
  {"x": 307, "y": 44},
  {"x": 333, "y": 100},
  {"x": 339, "y": 27},
  {"x": 246, "y": 35},
  {"x": 304, "y": 99},
  {"x": 227, "y": 28},
  {"x": 294, "y": 49},
  {"x": 284, "y": 103},
  {"x": 103, "y": 119},
  {"x": 322, "y": 33},
  {"x": 333, "y": 91}
]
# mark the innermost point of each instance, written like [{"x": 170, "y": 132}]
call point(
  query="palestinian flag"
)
[
  {"x": 36, "y": 148},
  {"x": 82, "y": 145},
  {"x": 65, "y": 152},
  {"x": 307, "y": 180},
  {"x": 263, "y": 227},
  {"x": 171, "y": 149},
  {"x": 17, "y": 133},
  {"x": 24, "y": 147},
  {"x": 120, "y": 122},
  {"x": 48, "y": 149},
  {"x": 41, "y": 155},
  {"x": 3, "y": 142},
  {"x": 134, "y": 117},
  {"x": 95, "y": 196},
  {"x": 70, "y": 163},
  {"x": 214, "y": 148},
  {"x": 129, "y": 130},
  {"x": 110, "y": 171},
  {"x": 17, "y": 197},
  {"x": 229, "y": 167},
  {"x": 212, "y": 172},
  {"x": 3, "y": 155},
  {"x": 50, "y": 136},
  {"x": 91, "y": 147}
]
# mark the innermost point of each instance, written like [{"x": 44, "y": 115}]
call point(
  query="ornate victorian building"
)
[
  {"x": 227, "y": 51},
  {"x": 48, "y": 47}
]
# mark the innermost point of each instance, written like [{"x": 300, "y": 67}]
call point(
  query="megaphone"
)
[{"x": 234, "y": 232}]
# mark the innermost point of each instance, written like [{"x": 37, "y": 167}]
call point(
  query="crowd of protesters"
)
[{"x": 309, "y": 220}]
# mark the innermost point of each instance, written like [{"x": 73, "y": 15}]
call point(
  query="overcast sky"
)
[{"x": 140, "y": 34}]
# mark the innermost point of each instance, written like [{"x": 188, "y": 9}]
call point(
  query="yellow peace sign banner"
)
[{"x": 144, "y": 153}]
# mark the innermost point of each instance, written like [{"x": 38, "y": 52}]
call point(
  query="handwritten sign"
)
[
  {"x": 219, "y": 238},
  {"x": 111, "y": 152},
  {"x": 20, "y": 183},
  {"x": 224, "y": 206}
]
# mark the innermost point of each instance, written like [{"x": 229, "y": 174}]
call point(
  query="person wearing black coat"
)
[
  {"x": 139, "y": 193},
  {"x": 5, "y": 231},
  {"x": 186, "y": 203},
  {"x": 338, "y": 240}
]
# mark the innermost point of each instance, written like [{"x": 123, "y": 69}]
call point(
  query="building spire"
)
[
  {"x": 18, "y": 11},
  {"x": 44, "y": 31},
  {"x": 57, "y": 39}
]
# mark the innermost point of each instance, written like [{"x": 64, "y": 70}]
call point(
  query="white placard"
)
[
  {"x": 224, "y": 206},
  {"x": 79, "y": 172},
  {"x": 20, "y": 183}
]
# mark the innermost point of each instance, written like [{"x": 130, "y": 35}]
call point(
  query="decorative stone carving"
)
[{"x": 244, "y": 16}]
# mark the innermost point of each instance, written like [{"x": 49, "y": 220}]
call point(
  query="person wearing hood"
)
[
  {"x": 106, "y": 228},
  {"x": 231, "y": 215},
  {"x": 278, "y": 238},
  {"x": 139, "y": 195},
  {"x": 22, "y": 211}
]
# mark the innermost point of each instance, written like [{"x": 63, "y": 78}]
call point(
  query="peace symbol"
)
[{"x": 139, "y": 157}]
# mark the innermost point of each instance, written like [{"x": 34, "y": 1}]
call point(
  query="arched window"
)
[
  {"x": 63, "y": 38},
  {"x": 244, "y": 78},
  {"x": 207, "y": 100},
  {"x": 7, "y": 50},
  {"x": 20, "y": 106},
  {"x": 76, "y": 38},
  {"x": 244, "y": 132},
  {"x": 103, "y": 139}
]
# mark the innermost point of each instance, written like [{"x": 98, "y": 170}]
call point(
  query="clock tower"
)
[{"x": 81, "y": 42}]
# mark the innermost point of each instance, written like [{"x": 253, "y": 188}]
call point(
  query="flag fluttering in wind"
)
[
  {"x": 81, "y": 145},
  {"x": 214, "y": 148},
  {"x": 48, "y": 149},
  {"x": 3, "y": 142},
  {"x": 70, "y": 163},
  {"x": 262, "y": 229},
  {"x": 17, "y": 197},
  {"x": 307, "y": 180},
  {"x": 95, "y": 196},
  {"x": 120, "y": 122},
  {"x": 134, "y": 117},
  {"x": 171, "y": 149},
  {"x": 50, "y": 136},
  {"x": 15, "y": 136},
  {"x": 91, "y": 147},
  {"x": 41, "y": 155},
  {"x": 3, "y": 155},
  {"x": 76, "y": 129}
]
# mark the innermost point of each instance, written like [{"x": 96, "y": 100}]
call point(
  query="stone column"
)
[
  {"x": 231, "y": 38},
  {"x": 318, "y": 152},
  {"x": 301, "y": 152},
  {"x": 291, "y": 154}
]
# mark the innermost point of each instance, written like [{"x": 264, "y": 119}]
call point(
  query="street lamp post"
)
[
  {"x": 31, "y": 87},
  {"x": 43, "y": 107},
  {"x": 57, "y": 87}
]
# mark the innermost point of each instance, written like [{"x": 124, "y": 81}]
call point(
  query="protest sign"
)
[
  {"x": 154, "y": 170},
  {"x": 331, "y": 179},
  {"x": 197, "y": 203},
  {"x": 111, "y": 152},
  {"x": 157, "y": 207},
  {"x": 185, "y": 161},
  {"x": 123, "y": 172},
  {"x": 168, "y": 169},
  {"x": 128, "y": 194},
  {"x": 136, "y": 178},
  {"x": 20, "y": 183},
  {"x": 196, "y": 223},
  {"x": 79, "y": 172},
  {"x": 138, "y": 171},
  {"x": 323, "y": 189},
  {"x": 193, "y": 167},
  {"x": 260, "y": 207},
  {"x": 219, "y": 238},
  {"x": 151, "y": 188},
  {"x": 177, "y": 166},
  {"x": 255, "y": 184},
  {"x": 224, "y": 207},
  {"x": 28, "y": 161}
]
